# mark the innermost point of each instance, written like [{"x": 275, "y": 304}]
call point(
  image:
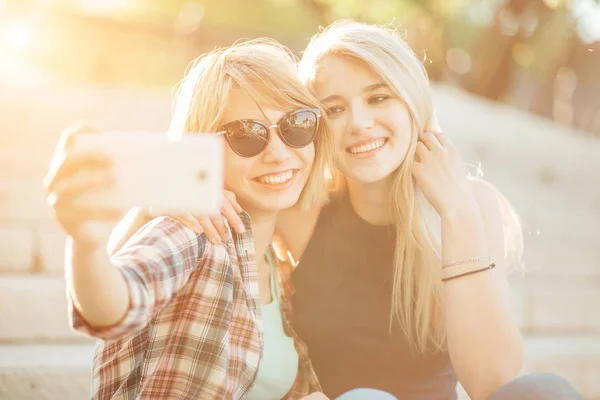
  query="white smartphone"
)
[{"x": 153, "y": 171}]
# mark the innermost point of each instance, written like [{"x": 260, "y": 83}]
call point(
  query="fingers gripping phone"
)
[{"x": 154, "y": 171}]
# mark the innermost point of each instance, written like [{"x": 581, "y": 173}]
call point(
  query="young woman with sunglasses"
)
[
  {"x": 178, "y": 316},
  {"x": 401, "y": 280}
]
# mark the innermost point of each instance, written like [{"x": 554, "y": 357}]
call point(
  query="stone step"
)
[
  {"x": 563, "y": 252},
  {"x": 34, "y": 307},
  {"x": 17, "y": 247},
  {"x": 22, "y": 194},
  {"x": 51, "y": 245},
  {"x": 556, "y": 305},
  {"x": 43, "y": 371},
  {"x": 28, "y": 245},
  {"x": 576, "y": 358},
  {"x": 36, "y": 246}
]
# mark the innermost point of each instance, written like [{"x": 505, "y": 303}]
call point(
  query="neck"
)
[
  {"x": 372, "y": 201},
  {"x": 263, "y": 226}
]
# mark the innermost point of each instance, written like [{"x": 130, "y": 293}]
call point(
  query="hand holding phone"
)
[
  {"x": 153, "y": 171},
  {"x": 99, "y": 176}
]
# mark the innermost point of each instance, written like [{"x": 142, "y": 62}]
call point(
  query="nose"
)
[
  {"x": 362, "y": 119},
  {"x": 277, "y": 151}
]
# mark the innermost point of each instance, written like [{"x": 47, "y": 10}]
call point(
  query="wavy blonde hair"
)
[
  {"x": 265, "y": 70},
  {"x": 417, "y": 300}
]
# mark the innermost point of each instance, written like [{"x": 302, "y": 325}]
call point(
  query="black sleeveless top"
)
[{"x": 341, "y": 310}]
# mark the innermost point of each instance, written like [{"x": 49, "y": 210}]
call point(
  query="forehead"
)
[
  {"x": 343, "y": 76},
  {"x": 240, "y": 105}
]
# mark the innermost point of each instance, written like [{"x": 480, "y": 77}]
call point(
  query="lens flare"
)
[{"x": 19, "y": 36}]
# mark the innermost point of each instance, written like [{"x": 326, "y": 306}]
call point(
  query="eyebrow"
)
[
  {"x": 375, "y": 86},
  {"x": 369, "y": 88}
]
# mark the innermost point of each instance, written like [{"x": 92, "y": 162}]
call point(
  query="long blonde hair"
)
[
  {"x": 417, "y": 300},
  {"x": 268, "y": 72}
]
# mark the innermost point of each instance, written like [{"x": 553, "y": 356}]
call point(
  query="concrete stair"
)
[
  {"x": 34, "y": 308},
  {"x": 46, "y": 371},
  {"x": 40, "y": 358}
]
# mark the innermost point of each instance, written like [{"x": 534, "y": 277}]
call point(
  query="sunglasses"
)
[{"x": 249, "y": 137}]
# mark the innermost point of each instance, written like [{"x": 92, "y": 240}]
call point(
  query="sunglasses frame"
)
[{"x": 313, "y": 110}]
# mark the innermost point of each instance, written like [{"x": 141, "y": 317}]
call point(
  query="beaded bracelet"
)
[
  {"x": 492, "y": 265},
  {"x": 452, "y": 263}
]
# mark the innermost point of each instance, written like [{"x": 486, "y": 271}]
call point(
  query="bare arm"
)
[
  {"x": 119, "y": 297},
  {"x": 484, "y": 342},
  {"x": 97, "y": 289}
]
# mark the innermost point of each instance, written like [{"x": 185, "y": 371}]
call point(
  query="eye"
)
[
  {"x": 334, "y": 110},
  {"x": 378, "y": 99}
]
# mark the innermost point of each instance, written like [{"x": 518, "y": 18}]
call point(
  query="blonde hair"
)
[
  {"x": 266, "y": 71},
  {"x": 417, "y": 301}
]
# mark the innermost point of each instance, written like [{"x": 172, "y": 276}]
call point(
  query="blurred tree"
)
[{"x": 503, "y": 43}]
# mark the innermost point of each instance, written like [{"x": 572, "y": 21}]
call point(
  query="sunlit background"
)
[
  {"x": 541, "y": 56},
  {"x": 516, "y": 82}
]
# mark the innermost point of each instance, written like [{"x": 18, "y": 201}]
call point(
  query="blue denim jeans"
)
[{"x": 535, "y": 386}]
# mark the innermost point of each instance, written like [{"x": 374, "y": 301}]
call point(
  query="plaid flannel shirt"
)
[{"x": 193, "y": 329}]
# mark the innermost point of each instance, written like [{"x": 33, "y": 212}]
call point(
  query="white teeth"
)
[
  {"x": 276, "y": 179},
  {"x": 367, "y": 147}
]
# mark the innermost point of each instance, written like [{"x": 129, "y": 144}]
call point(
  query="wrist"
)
[{"x": 83, "y": 248}]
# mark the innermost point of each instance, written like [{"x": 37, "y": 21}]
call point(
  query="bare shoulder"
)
[
  {"x": 294, "y": 229},
  {"x": 502, "y": 223},
  {"x": 489, "y": 200},
  {"x": 487, "y": 196},
  {"x": 493, "y": 205}
]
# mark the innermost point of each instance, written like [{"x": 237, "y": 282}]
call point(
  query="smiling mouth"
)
[
  {"x": 367, "y": 147},
  {"x": 280, "y": 178}
]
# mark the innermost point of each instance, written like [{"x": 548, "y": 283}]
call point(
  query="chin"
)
[
  {"x": 369, "y": 179},
  {"x": 367, "y": 175},
  {"x": 278, "y": 205},
  {"x": 274, "y": 202}
]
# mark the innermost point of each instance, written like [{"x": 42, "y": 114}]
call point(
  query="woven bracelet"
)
[{"x": 492, "y": 265}]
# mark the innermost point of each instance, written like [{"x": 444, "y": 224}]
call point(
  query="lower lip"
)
[
  {"x": 278, "y": 186},
  {"x": 369, "y": 153}
]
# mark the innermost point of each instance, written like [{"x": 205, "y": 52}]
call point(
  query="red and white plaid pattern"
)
[{"x": 193, "y": 329}]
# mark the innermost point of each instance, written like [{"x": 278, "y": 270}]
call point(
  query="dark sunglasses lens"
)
[
  {"x": 298, "y": 129},
  {"x": 247, "y": 138}
]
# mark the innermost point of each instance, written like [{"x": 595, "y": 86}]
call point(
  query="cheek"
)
[
  {"x": 402, "y": 125},
  {"x": 236, "y": 169},
  {"x": 307, "y": 155},
  {"x": 338, "y": 128}
]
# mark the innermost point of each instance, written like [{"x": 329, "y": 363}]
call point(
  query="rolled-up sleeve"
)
[{"x": 156, "y": 262}]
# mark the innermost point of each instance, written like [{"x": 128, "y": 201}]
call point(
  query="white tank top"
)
[{"x": 279, "y": 366}]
